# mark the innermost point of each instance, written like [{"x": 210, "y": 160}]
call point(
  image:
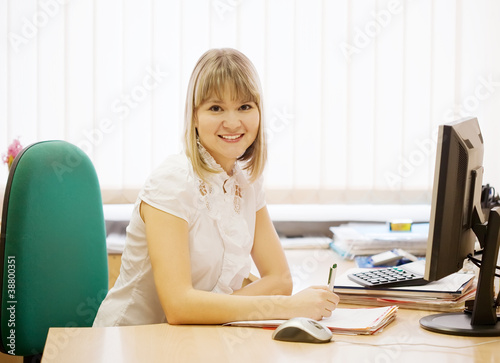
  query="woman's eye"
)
[
  {"x": 215, "y": 108},
  {"x": 245, "y": 107}
]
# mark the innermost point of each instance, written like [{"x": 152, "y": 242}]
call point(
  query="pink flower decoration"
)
[{"x": 12, "y": 152}]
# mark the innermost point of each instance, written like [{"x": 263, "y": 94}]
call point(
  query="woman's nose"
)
[{"x": 231, "y": 121}]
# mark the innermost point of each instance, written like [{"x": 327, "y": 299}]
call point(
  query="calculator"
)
[{"x": 387, "y": 277}]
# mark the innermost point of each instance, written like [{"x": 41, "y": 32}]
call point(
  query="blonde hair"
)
[{"x": 216, "y": 69}]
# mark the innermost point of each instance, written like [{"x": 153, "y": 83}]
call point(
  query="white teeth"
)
[{"x": 230, "y": 137}]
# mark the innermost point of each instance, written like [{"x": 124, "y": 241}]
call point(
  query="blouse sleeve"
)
[
  {"x": 260, "y": 196},
  {"x": 168, "y": 188}
]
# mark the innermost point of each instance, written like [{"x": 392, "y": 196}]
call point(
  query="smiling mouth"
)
[{"x": 231, "y": 137}]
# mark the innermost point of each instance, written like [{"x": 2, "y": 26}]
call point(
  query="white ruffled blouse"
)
[{"x": 221, "y": 216}]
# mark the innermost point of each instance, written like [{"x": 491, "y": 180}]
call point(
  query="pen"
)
[{"x": 331, "y": 276}]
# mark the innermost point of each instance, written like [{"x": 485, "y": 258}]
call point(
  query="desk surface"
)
[{"x": 156, "y": 343}]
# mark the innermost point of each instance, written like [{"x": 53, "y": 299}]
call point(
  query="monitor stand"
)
[{"x": 483, "y": 321}]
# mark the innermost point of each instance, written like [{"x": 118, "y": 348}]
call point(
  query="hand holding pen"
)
[{"x": 316, "y": 302}]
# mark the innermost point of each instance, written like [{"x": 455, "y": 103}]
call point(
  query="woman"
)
[{"x": 201, "y": 216}]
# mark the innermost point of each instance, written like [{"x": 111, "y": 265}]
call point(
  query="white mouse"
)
[{"x": 302, "y": 330}]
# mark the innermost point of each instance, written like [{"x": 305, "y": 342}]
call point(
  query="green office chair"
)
[{"x": 53, "y": 260}]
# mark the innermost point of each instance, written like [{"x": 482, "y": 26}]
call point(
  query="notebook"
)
[{"x": 363, "y": 321}]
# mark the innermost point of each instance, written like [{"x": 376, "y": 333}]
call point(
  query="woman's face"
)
[{"x": 226, "y": 128}]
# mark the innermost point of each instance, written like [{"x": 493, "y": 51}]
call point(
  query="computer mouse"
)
[{"x": 303, "y": 330}]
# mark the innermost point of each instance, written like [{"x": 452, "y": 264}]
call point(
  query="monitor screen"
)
[
  {"x": 456, "y": 223},
  {"x": 456, "y": 197}
]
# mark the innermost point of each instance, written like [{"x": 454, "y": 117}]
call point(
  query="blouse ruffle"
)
[{"x": 222, "y": 196}]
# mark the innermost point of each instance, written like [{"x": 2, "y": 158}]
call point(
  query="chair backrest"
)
[{"x": 53, "y": 256}]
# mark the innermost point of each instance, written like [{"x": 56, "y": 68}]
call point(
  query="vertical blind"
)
[{"x": 354, "y": 90}]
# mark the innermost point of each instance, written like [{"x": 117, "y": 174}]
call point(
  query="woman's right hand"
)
[{"x": 315, "y": 302}]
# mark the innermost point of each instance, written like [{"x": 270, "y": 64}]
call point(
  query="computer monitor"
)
[{"x": 457, "y": 222}]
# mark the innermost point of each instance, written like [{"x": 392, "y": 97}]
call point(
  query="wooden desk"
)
[{"x": 163, "y": 342}]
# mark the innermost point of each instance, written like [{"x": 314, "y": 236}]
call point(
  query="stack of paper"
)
[
  {"x": 448, "y": 294},
  {"x": 305, "y": 242},
  {"x": 355, "y": 239},
  {"x": 366, "y": 321}
]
